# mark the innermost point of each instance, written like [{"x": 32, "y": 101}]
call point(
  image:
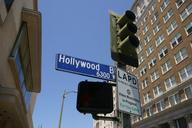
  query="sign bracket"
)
[{"x": 96, "y": 117}]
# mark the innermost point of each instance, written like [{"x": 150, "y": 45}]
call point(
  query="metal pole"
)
[
  {"x": 61, "y": 113},
  {"x": 126, "y": 120},
  {"x": 62, "y": 105}
]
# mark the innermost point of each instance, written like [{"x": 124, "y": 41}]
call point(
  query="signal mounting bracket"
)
[{"x": 96, "y": 117}]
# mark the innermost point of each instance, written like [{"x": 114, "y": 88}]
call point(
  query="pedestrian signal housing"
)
[{"x": 94, "y": 97}]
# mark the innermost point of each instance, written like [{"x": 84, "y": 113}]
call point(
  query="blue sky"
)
[{"x": 79, "y": 28}]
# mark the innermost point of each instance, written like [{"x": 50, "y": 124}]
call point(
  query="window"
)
[
  {"x": 145, "y": 18},
  {"x": 141, "y": 23},
  {"x": 145, "y": 83},
  {"x": 188, "y": 91},
  {"x": 180, "y": 55},
  {"x": 186, "y": 72},
  {"x": 174, "y": 99},
  {"x": 176, "y": 40},
  {"x": 153, "y": 8},
  {"x": 20, "y": 63},
  {"x": 186, "y": 12},
  {"x": 159, "y": 40},
  {"x": 170, "y": 82},
  {"x": 142, "y": 9},
  {"x": 188, "y": 28},
  {"x": 154, "y": 75},
  {"x": 179, "y": 3},
  {"x": 157, "y": 90},
  {"x": 8, "y": 4},
  {"x": 160, "y": 106},
  {"x": 172, "y": 27},
  {"x": 147, "y": 39},
  {"x": 164, "y": 5},
  {"x": 166, "y": 66},
  {"x": 152, "y": 62},
  {"x": 145, "y": 30},
  {"x": 143, "y": 70},
  {"x": 141, "y": 59},
  {"x": 149, "y": 50},
  {"x": 168, "y": 15},
  {"x": 156, "y": 28},
  {"x": 155, "y": 17},
  {"x": 163, "y": 52},
  {"x": 133, "y": 68},
  {"x": 147, "y": 97},
  {"x": 148, "y": 111}
]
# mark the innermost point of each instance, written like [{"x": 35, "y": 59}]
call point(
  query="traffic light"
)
[
  {"x": 123, "y": 39},
  {"x": 94, "y": 97}
]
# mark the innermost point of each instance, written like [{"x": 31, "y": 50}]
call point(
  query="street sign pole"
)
[{"x": 126, "y": 120}]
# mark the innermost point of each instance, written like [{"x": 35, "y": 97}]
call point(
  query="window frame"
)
[
  {"x": 149, "y": 50},
  {"x": 168, "y": 15},
  {"x": 159, "y": 40},
  {"x": 150, "y": 111},
  {"x": 154, "y": 75},
  {"x": 186, "y": 73},
  {"x": 164, "y": 4},
  {"x": 146, "y": 97},
  {"x": 165, "y": 67},
  {"x": 172, "y": 27},
  {"x": 157, "y": 91},
  {"x": 8, "y": 4},
  {"x": 145, "y": 83},
  {"x": 180, "y": 4},
  {"x": 176, "y": 40},
  {"x": 143, "y": 71},
  {"x": 156, "y": 29},
  {"x": 175, "y": 100},
  {"x": 163, "y": 51},
  {"x": 170, "y": 82},
  {"x": 190, "y": 89},
  {"x": 186, "y": 12},
  {"x": 153, "y": 62},
  {"x": 187, "y": 27},
  {"x": 181, "y": 55},
  {"x": 17, "y": 67},
  {"x": 161, "y": 105}
]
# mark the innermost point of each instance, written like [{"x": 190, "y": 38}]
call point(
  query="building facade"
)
[
  {"x": 20, "y": 62},
  {"x": 165, "y": 63}
]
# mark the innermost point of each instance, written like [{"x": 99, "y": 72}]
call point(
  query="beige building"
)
[
  {"x": 165, "y": 63},
  {"x": 20, "y": 62}
]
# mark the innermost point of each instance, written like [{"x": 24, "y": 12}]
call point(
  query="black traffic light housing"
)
[
  {"x": 94, "y": 97},
  {"x": 123, "y": 39}
]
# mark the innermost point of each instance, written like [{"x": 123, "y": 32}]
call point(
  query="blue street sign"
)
[{"x": 83, "y": 67}]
